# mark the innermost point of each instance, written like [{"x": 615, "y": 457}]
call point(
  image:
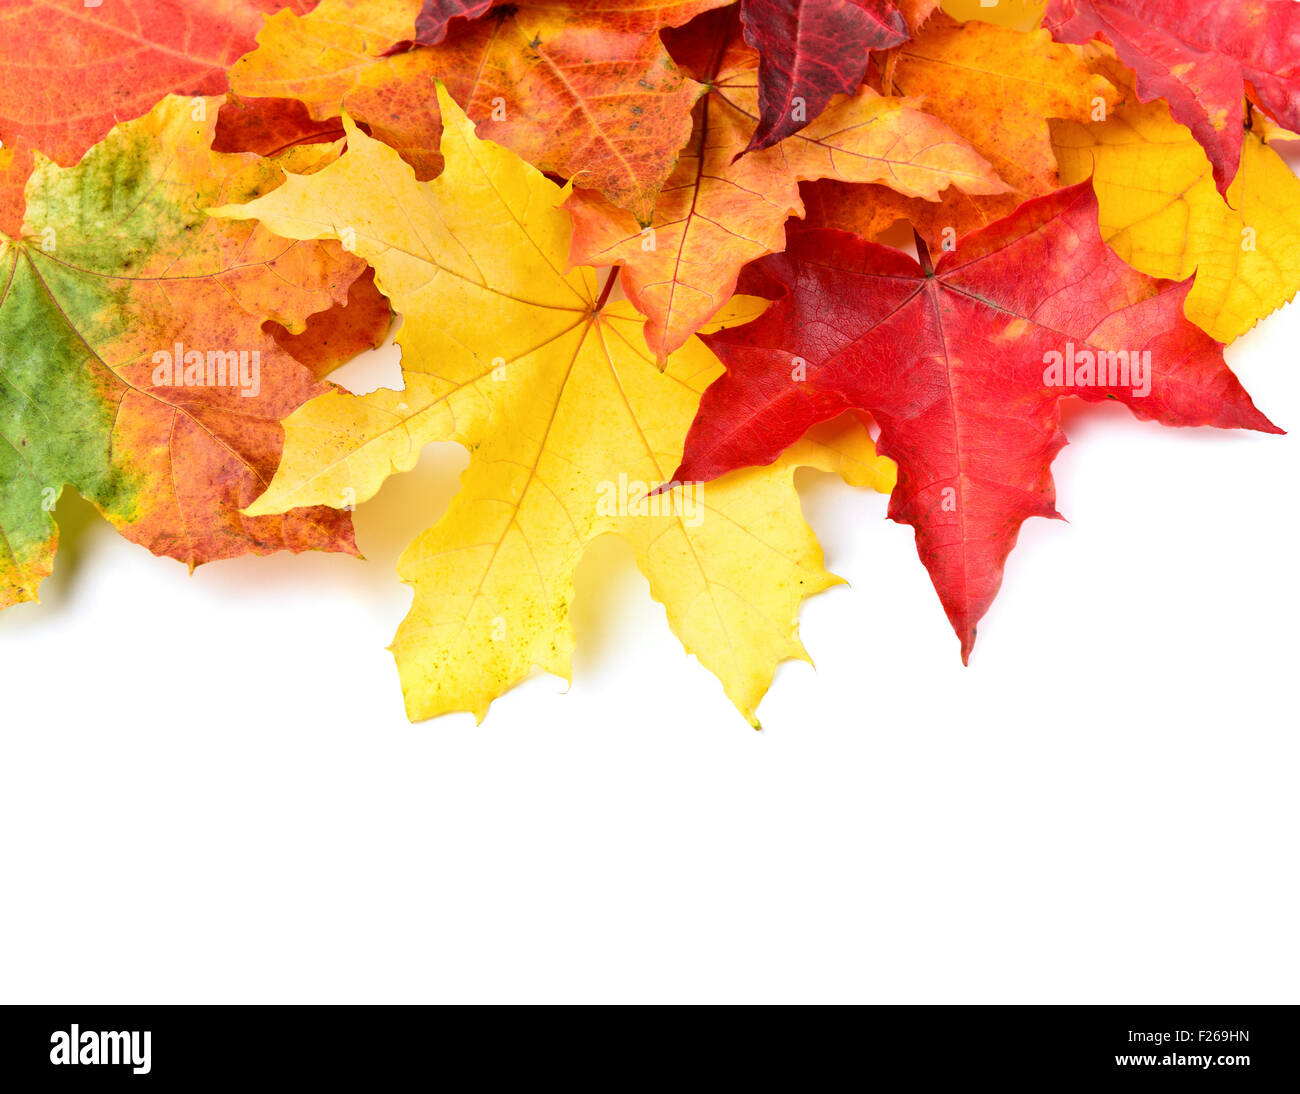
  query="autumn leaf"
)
[
  {"x": 719, "y": 212},
  {"x": 69, "y": 71},
  {"x": 963, "y": 367},
  {"x": 336, "y": 58},
  {"x": 1160, "y": 210},
  {"x": 1202, "y": 61},
  {"x": 569, "y": 423},
  {"x": 117, "y": 271},
  {"x": 584, "y": 90},
  {"x": 809, "y": 51},
  {"x": 996, "y": 88}
]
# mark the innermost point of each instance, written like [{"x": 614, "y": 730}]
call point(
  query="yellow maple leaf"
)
[
  {"x": 570, "y": 423},
  {"x": 1161, "y": 213}
]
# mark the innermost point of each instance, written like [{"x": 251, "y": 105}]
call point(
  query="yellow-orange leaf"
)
[
  {"x": 583, "y": 90},
  {"x": 135, "y": 361}
]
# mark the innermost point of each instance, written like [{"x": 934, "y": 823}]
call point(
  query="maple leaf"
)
[
  {"x": 996, "y": 88},
  {"x": 569, "y": 424},
  {"x": 118, "y": 264},
  {"x": 810, "y": 51},
  {"x": 338, "y": 57},
  {"x": 1202, "y": 61},
  {"x": 720, "y": 212},
  {"x": 584, "y": 90},
  {"x": 70, "y": 71},
  {"x": 1160, "y": 210},
  {"x": 963, "y": 367}
]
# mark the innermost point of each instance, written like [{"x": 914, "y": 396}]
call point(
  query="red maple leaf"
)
[
  {"x": 1203, "y": 58},
  {"x": 810, "y": 50},
  {"x": 963, "y": 366}
]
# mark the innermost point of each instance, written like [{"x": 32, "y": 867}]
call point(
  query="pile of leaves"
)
[{"x": 636, "y": 250}]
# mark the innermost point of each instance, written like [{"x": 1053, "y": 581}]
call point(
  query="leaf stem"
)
[
  {"x": 609, "y": 288},
  {"x": 923, "y": 254}
]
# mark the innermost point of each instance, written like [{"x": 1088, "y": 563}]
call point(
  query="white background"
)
[{"x": 209, "y": 792}]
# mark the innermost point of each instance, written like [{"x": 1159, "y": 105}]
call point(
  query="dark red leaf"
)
[
  {"x": 809, "y": 51},
  {"x": 436, "y": 15}
]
